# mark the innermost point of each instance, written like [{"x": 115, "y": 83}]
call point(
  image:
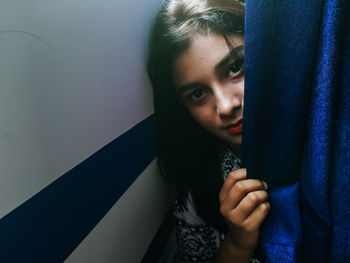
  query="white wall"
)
[{"x": 72, "y": 79}]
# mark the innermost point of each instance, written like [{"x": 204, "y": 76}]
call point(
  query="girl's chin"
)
[{"x": 235, "y": 141}]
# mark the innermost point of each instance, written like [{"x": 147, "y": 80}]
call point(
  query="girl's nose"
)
[{"x": 228, "y": 104}]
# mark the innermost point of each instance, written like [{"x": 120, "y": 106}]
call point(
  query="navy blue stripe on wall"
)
[{"x": 50, "y": 225}]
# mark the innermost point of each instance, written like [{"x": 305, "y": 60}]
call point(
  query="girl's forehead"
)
[
  {"x": 209, "y": 46},
  {"x": 201, "y": 39}
]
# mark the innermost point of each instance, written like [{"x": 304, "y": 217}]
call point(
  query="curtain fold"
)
[{"x": 296, "y": 130}]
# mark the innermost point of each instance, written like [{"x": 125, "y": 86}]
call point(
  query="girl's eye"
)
[
  {"x": 196, "y": 95},
  {"x": 235, "y": 69}
]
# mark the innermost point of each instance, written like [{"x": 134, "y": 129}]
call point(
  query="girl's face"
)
[{"x": 210, "y": 82}]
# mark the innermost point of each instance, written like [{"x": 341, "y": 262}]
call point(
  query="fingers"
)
[
  {"x": 239, "y": 190},
  {"x": 243, "y": 202},
  {"x": 253, "y": 221},
  {"x": 230, "y": 181},
  {"x": 248, "y": 204}
]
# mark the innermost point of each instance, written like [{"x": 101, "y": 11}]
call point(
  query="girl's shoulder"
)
[
  {"x": 196, "y": 240},
  {"x": 186, "y": 209}
]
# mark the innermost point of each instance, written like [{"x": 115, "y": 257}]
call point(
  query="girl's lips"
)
[{"x": 235, "y": 128}]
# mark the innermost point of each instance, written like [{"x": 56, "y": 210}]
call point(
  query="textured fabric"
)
[
  {"x": 229, "y": 161},
  {"x": 296, "y": 128}
]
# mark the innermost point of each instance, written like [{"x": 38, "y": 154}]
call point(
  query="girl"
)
[{"x": 195, "y": 64}]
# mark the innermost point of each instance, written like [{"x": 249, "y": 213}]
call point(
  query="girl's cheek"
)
[
  {"x": 202, "y": 115},
  {"x": 207, "y": 122}
]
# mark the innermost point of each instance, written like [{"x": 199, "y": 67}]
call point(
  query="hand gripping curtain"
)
[{"x": 296, "y": 130}]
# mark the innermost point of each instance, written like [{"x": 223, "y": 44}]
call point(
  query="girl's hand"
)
[{"x": 243, "y": 203}]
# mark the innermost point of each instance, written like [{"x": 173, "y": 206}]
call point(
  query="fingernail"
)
[{"x": 265, "y": 185}]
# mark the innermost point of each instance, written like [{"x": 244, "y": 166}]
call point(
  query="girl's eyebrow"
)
[
  {"x": 188, "y": 86},
  {"x": 232, "y": 54}
]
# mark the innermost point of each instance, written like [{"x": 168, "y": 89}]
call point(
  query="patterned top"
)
[{"x": 197, "y": 241}]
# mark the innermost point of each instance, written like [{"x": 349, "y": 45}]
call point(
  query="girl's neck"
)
[{"x": 236, "y": 149}]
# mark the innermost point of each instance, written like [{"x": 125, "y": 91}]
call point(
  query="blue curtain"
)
[{"x": 297, "y": 125}]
